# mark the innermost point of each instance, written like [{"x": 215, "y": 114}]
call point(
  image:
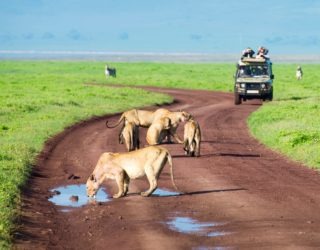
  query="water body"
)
[
  {"x": 73, "y": 196},
  {"x": 189, "y": 225},
  {"x": 164, "y": 192}
]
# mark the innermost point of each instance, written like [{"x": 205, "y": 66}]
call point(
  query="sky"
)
[{"x": 161, "y": 26}]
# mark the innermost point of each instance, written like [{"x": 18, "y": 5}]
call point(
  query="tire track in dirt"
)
[{"x": 257, "y": 197}]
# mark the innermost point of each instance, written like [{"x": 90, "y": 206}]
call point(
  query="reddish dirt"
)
[{"x": 261, "y": 199}]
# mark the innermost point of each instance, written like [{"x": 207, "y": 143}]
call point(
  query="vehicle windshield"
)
[{"x": 253, "y": 71}]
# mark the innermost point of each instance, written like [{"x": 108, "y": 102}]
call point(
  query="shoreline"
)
[{"x": 145, "y": 56}]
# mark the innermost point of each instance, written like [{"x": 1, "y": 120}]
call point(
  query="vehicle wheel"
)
[
  {"x": 237, "y": 99},
  {"x": 270, "y": 96}
]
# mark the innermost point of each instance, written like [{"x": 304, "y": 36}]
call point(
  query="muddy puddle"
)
[
  {"x": 73, "y": 196},
  {"x": 188, "y": 225},
  {"x": 164, "y": 192}
]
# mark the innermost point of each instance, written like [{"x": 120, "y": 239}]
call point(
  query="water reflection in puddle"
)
[
  {"x": 188, "y": 225},
  {"x": 164, "y": 192},
  {"x": 213, "y": 248},
  {"x": 72, "y": 196}
]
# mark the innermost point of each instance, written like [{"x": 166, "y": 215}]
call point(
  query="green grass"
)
[
  {"x": 39, "y": 99},
  {"x": 291, "y": 123},
  {"x": 192, "y": 76}
]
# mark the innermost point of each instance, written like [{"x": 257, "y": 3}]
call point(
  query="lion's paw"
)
[
  {"x": 117, "y": 196},
  {"x": 145, "y": 194}
]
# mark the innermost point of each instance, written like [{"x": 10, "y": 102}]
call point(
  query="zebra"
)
[
  {"x": 299, "y": 73},
  {"x": 110, "y": 71}
]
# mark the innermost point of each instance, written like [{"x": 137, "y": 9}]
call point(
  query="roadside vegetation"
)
[
  {"x": 291, "y": 123},
  {"x": 39, "y": 99}
]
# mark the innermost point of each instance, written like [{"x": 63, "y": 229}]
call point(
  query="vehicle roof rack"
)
[{"x": 253, "y": 59}]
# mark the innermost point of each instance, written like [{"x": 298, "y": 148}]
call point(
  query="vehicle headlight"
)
[
  {"x": 242, "y": 85},
  {"x": 263, "y": 85}
]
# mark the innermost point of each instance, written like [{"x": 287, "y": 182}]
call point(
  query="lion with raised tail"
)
[
  {"x": 122, "y": 167},
  {"x": 141, "y": 118},
  {"x": 144, "y": 118}
]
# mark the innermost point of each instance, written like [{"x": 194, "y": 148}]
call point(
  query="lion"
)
[
  {"x": 192, "y": 138},
  {"x": 175, "y": 118},
  {"x": 138, "y": 117},
  {"x": 130, "y": 135},
  {"x": 122, "y": 167},
  {"x": 158, "y": 131},
  {"x": 144, "y": 118}
]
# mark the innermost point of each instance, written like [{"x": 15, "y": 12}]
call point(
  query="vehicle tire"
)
[
  {"x": 270, "y": 96},
  {"x": 237, "y": 99}
]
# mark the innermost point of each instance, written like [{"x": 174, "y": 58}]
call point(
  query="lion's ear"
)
[{"x": 187, "y": 115}]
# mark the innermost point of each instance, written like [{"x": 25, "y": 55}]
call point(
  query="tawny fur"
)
[
  {"x": 130, "y": 136},
  {"x": 145, "y": 118},
  {"x": 192, "y": 138},
  {"x": 122, "y": 167},
  {"x": 175, "y": 118},
  {"x": 158, "y": 130}
]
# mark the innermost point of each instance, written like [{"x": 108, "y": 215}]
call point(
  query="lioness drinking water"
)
[{"x": 122, "y": 167}]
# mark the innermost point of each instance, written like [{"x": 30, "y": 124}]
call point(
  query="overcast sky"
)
[{"x": 206, "y": 26}]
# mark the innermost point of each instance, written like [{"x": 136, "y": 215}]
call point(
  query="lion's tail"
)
[
  {"x": 171, "y": 171},
  {"x": 118, "y": 122}
]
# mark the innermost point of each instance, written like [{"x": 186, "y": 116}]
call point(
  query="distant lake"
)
[{"x": 145, "y": 56}]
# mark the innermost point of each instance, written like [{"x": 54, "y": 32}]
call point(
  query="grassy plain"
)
[
  {"x": 38, "y": 99},
  {"x": 291, "y": 123}
]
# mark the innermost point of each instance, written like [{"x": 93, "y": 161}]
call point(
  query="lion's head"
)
[
  {"x": 185, "y": 116},
  {"x": 92, "y": 186}
]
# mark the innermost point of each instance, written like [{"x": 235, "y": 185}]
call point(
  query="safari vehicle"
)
[{"x": 253, "y": 79}]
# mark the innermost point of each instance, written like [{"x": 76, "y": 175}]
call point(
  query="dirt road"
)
[{"x": 240, "y": 195}]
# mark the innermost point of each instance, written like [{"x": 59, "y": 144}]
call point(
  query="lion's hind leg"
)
[
  {"x": 198, "y": 141},
  {"x": 120, "y": 136},
  {"x": 152, "y": 178},
  {"x": 186, "y": 146},
  {"x": 192, "y": 148},
  {"x": 153, "y": 170}
]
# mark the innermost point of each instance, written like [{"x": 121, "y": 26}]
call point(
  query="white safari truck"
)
[{"x": 253, "y": 79}]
